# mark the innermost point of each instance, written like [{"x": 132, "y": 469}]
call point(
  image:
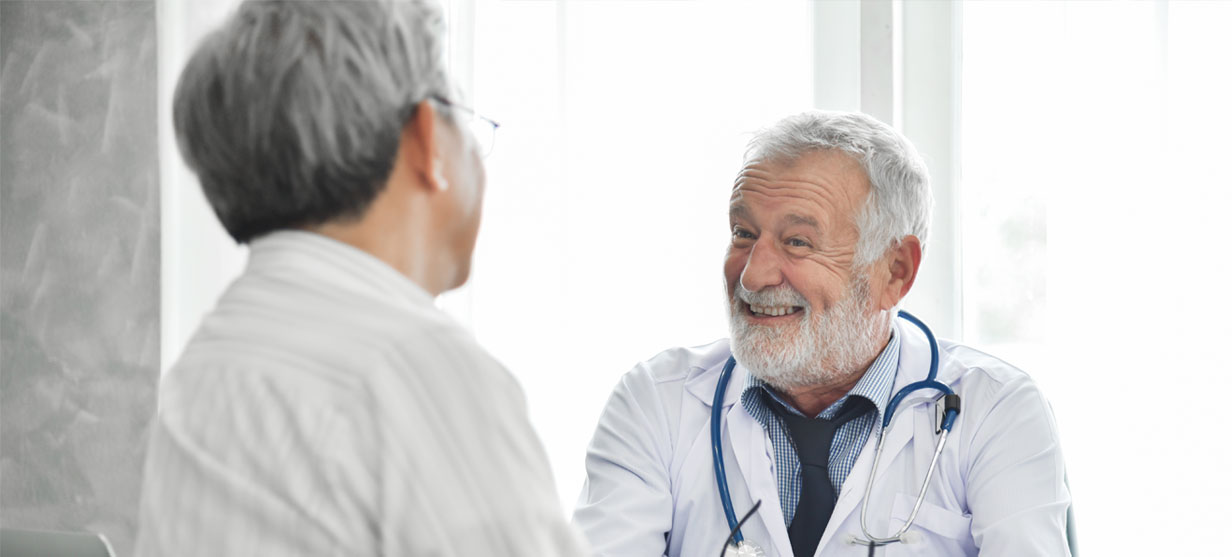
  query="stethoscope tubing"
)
[
  {"x": 947, "y": 424},
  {"x": 919, "y": 501},
  {"x": 716, "y": 445}
]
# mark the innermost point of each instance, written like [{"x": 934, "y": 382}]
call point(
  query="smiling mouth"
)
[{"x": 770, "y": 311}]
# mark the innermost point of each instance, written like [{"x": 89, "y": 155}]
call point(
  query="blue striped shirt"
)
[{"x": 848, "y": 440}]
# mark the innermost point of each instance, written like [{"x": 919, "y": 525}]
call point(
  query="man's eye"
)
[
  {"x": 742, "y": 234},
  {"x": 797, "y": 243}
]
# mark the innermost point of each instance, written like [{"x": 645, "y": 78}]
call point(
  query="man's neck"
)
[
  {"x": 814, "y": 399},
  {"x": 408, "y": 240}
]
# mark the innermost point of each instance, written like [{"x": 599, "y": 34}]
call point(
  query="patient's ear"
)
[
  {"x": 903, "y": 264},
  {"x": 419, "y": 147}
]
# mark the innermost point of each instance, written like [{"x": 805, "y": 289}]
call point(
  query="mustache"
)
[{"x": 778, "y": 296}]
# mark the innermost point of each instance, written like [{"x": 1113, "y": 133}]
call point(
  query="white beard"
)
[{"x": 819, "y": 348}]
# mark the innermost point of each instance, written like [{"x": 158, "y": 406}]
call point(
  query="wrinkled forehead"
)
[{"x": 826, "y": 183}]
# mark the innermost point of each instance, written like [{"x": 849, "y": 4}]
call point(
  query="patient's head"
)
[{"x": 301, "y": 115}]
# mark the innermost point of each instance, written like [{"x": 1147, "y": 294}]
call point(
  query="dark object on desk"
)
[{"x": 42, "y": 543}]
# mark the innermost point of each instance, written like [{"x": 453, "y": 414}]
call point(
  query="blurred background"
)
[{"x": 1079, "y": 153}]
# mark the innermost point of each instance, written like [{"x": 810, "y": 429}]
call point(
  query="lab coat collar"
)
[
  {"x": 701, "y": 382},
  {"x": 913, "y": 362}
]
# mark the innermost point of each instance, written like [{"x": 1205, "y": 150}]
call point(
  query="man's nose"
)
[{"x": 763, "y": 269}]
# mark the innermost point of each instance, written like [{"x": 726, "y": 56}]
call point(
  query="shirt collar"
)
[
  {"x": 307, "y": 255},
  {"x": 875, "y": 385}
]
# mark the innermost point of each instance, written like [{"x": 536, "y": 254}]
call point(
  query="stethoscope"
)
[{"x": 736, "y": 545}]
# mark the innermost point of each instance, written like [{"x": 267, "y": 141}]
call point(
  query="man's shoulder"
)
[
  {"x": 986, "y": 381},
  {"x": 281, "y": 296},
  {"x": 679, "y": 364},
  {"x": 322, "y": 326},
  {"x": 663, "y": 381},
  {"x": 967, "y": 363}
]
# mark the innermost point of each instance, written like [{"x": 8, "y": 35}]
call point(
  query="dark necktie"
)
[{"x": 812, "y": 438}]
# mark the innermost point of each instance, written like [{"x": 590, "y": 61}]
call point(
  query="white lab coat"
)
[{"x": 999, "y": 488}]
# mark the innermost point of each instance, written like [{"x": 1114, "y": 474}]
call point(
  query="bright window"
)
[{"x": 1095, "y": 191}]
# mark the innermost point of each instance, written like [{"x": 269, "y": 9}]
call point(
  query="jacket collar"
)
[
  {"x": 301, "y": 256},
  {"x": 701, "y": 382}
]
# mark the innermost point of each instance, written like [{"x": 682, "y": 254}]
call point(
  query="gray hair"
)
[
  {"x": 900, "y": 201},
  {"x": 291, "y": 113}
]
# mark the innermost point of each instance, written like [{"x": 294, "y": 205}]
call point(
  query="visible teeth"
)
[{"x": 773, "y": 311}]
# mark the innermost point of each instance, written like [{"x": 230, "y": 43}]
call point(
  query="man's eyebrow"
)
[
  {"x": 738, "y": 211},
  {"x": 803, "y": 220}
]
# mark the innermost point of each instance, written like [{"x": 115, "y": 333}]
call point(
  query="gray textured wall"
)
[{"x": 79, "y": 261}]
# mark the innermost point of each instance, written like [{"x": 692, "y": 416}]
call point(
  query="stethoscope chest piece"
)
[{"x": 744, "y": 549}]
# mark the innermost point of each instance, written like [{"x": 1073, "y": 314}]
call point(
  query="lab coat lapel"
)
[
  {"x": 754, "y": 454},
  {"x": 853, "y": 488},
  {"x": 913, "y": 362},
  {"x": 754, "y": 457}
]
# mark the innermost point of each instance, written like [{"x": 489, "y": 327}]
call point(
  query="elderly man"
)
[
  {"x": 326, "y": 407},
  {"x": 829, "y": 217}
]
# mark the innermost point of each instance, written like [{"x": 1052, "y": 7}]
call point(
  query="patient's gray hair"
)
[
  {"x": 291, "y": 113},
  {"x": 901, "y": 200}
]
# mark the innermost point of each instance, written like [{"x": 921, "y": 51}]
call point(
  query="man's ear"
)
[
  {"x": 904, "y": 266},
  {"x": 419, "y": 144}
]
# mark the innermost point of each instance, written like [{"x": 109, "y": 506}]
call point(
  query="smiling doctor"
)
[{"x": 821, "y": 383}]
